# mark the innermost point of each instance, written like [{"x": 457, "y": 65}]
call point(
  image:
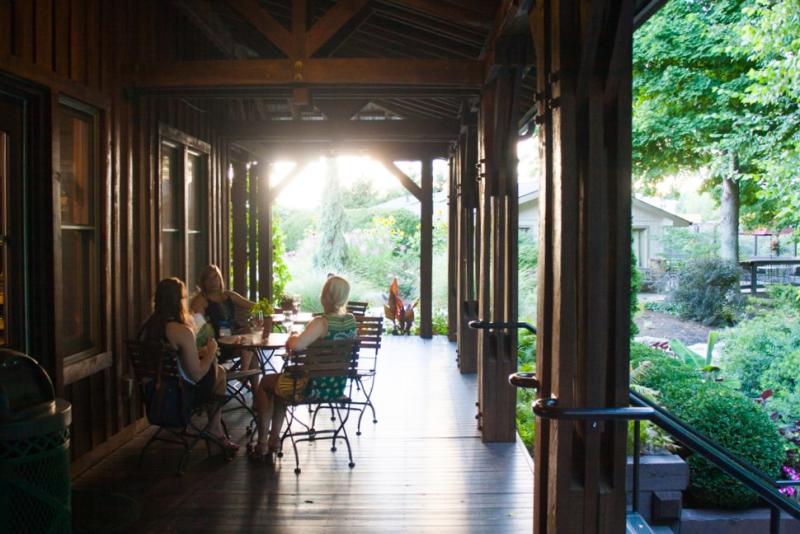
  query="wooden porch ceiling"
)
[{"x": 414, "y": 60}]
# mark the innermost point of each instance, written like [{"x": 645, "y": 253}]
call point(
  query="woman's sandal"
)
[{"x": 256, "y": 452}]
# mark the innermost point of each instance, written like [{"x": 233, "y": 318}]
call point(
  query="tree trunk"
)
[{"x": 729, "y": 225}]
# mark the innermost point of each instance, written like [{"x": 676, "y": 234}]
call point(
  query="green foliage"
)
[
  {"x": 296, "y": 225},
  {"x": 708, "y": 292},
  {"x": 332, "y": 251},
  {"x": 662, "y": 307},
  {"x": 689, "y": 78},
  {"x": 389, "y": 246},
  {"x": 636, "y": 282},
  {"x": 280, "y": 271},
  {"x": 725, "y": 416},
  {"x": 526, "y": 363},
  {"x": 782, "y": 376},
  {"x": 769, "y": 34},
  {"x": 264, "y": 306},
  {"x": 526, "y": 275},
  {"x": 680, "y": 245},
  {"x": 754, "y": 344},
  {"x": 738, "y": 425},
  {"x": 785, "y": 295}
]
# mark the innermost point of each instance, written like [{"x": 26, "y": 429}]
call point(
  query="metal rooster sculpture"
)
[{"x": 396, "y": 311}]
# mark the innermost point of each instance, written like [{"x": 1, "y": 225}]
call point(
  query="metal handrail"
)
[
  {"x": 643, "y": 410},
  {"x": 486, "y": 325}
]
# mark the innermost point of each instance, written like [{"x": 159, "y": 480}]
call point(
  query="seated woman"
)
[
  {"x": 219, "y": 305},
  {"x": 171, "y": 323},
  {"x": 335, "y": 323}
]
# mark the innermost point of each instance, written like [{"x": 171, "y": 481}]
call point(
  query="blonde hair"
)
[
  {"x": 334, "y": 294},
  {"x": 205, "y": 274}
]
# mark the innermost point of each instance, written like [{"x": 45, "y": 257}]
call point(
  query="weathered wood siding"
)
[{"x": 81, "y": 49}]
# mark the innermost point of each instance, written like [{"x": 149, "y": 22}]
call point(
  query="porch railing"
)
[{"x": 641, "y": 409}]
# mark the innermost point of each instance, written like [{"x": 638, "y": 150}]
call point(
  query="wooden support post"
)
[
  {"x": 497, "y": 356},
  {"x": 467, "y": 197},
  {"x": 584, "y": 65},
  {"x": 252, "y": 231},
  {"x": 426, "y": 250},
  {"x": 238, "y": 208},
  {"x": 452, "y": 251},
  {"x": 264, "y": 235}
]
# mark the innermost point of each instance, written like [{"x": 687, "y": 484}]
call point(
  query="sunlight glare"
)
[{"x": 305, "y": 191}]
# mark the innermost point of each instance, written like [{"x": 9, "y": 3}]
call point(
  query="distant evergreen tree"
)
[{"x": 332, "y": 252}]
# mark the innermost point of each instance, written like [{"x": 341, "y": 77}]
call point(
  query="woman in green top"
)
[{"x": 336, "y": 323}]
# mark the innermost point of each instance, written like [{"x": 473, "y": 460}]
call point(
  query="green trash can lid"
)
[{"x": 25, "y": 389}]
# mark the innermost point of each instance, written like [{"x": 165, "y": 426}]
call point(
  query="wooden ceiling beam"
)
[
  {"x": 332, "y": 23},
  {"x": 262, "y": 21},
  {"x": 321, "y": 131},
  {"x": 201, "y": 14},
  {"x": 340, "y": 110},
  {"x": 402, "y": 177},
  {"x": 392, "y": 150},
  {"x": 452, "y": 12},
  {"x": 325, "y": 71}
]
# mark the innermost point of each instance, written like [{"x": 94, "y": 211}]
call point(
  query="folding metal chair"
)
[
  {"x": 159, "y": 361},
  {"x": 359, "y": 309},
  {"x": 323, "y": 358}
]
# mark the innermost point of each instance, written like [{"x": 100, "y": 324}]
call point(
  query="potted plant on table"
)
[{"x": 261, "y": 312}]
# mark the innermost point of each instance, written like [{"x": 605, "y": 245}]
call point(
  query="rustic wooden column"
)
[
  {"x": 426, "y": 250},
  {"x": 264, "y": 234},
  {"x": 239, "y": 207},
  {"x": 452, "y": 248},
  {"x": 497, "y": 296},
  {"x": 252, "y": 230},
  {"x": 583, "y": 54},
  {"x": 467, "y": 259}
]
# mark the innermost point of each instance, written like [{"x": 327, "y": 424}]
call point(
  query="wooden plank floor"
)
[{"x": 421, "y": 468}]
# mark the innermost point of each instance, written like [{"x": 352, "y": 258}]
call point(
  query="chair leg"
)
[
  {"x": 153, "y": 438},
  {"x": 344, "y": 433}
]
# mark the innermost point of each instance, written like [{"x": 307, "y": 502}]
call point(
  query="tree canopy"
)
[{"x": 716, "y": 84}]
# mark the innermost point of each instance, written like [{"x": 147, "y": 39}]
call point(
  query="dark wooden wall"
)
[{"x": 82, "y": 49}]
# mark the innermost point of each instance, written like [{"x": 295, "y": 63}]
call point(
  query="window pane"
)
[
  {"x": 77, "y": 185},
  {"x": 170, "y": 186},
  {"x": 197, "y": 258},
  {"x": 80, "y": 291},
  {"x": 195, "y": 191},
  {"x": 171, "y": 254}
]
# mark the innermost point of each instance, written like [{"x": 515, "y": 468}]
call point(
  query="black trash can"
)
[{"x": 34, "y": 449}]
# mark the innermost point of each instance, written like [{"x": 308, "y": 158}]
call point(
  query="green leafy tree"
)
[
  {"x": 690, "y": 111},
  {"x": 332, "y": 251},
  {"x": 770, "y": 35}
]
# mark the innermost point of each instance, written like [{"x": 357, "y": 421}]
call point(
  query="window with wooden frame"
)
[
  {"x": 183, "y": 185},
  {"x": 80, "y": 283}
]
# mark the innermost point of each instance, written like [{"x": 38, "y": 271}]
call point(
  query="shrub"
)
[
  {"x": 753, "y": 345},
  {"x": 740, "y": 426},
  {"x": 782, "y": 376},
  {"x": 725, "y": 416},
  {"x": 708, "y": 292},
  {"x": 785, "y": 295}
]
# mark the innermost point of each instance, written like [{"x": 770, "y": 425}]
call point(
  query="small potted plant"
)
[{"x": 262, "y": 312}]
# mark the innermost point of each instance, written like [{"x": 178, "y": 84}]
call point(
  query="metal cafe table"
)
[{"x": 264, "y": 346}]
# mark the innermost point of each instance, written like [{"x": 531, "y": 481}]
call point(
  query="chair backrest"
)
[
  {"x": 337, "y": 357},
  {"x": 370, "y": 331},
  {"x": 357, "y": 308},
  {"x": 148, "y": 358}
]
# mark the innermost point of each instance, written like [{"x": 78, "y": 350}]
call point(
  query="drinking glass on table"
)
[{"x": 256, "y": 321}]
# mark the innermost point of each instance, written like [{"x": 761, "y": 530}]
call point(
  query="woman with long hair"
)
[
  {"x": 219, "y": 306},
  {"x": 335, "y": 323},
  {"x": 171, "y": 323}
]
